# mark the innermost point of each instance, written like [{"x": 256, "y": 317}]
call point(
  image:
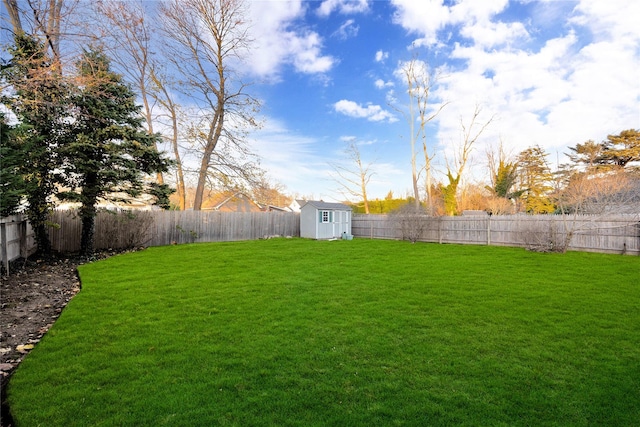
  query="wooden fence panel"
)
[
  {"x": 17, "y": 239},
  {"x": 177, "y": 227},
  {"x": 158, "y": 228},
  {"x": 613, "y": 234}
]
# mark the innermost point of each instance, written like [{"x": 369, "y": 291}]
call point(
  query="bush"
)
[
  {"x": 547, "y": 236},
  {"x": 411, "y": 221}
]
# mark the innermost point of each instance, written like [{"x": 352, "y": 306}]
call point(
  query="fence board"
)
[
  {"x": 612, "y": 234},
  {"x": 159, "y": 228},
  {"x": 17, "y": 239}
]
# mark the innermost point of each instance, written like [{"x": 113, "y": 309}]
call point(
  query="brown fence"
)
[
  {"x": 117, "y": 230},
  {"x": 613, "y": 234},
  {"x": 191, "y": 226}
]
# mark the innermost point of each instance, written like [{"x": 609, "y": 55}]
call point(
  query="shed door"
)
[
  {"x": 345, "y": 222},
  {"x": 342, "y": 223}
]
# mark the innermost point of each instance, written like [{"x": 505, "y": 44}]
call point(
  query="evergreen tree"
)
[
  {"x": 535, "y": 179},
  {"x": 12, "y": 186},
  {"x": 38, "y": 98},
  {"x": 587, "y": 154},
  {"x": 622, "y": 149},
  {"x": 111, "y": 153},
  {"x": 504, "y": 179}
]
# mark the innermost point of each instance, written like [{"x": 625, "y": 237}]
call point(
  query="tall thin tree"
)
[
  {"x": 455, "y": 170},
  {"x": 43, "y": 19},
  {"x": 164, "y": 97},
  {"x": 354, "y": 178},
  {"x": 420, "y": 82},
  {"x": 128, "y": 31},
  {"x": 209, "y": 39}
]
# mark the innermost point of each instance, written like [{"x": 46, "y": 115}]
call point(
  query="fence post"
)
[
  {"x": 489, "y": 230},
  {"x": 3, "y": 237},
  {"x": 24, "y": 252}
]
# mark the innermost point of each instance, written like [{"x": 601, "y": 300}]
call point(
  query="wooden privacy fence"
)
[
  {"x": 191, "y": 226},
  {"x": 119, "y": 230},
  {"x": 611, "y": 234}
]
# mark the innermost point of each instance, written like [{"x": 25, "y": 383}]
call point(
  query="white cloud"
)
[
  {"x": 381, "y": 84},
  {"x": 580, "y": 83},
  {"x": 476, "y": 11},
  {"x": 302, "y": 163},
  {"x": 279, "y": 41},
  {"x": 342, "y": 6},
  {"x": 381, "y": 56},
  {"x": 290, "y": 158},
  {"x": 427, "y": 18},
  {"x": 347, "y": 30},
  {"x": 616, "y": 19},
  {"x": 357, "y": 141},
  {"x": 373, "y": 113},
  {"x": 490, "y": 34},
  {"x": 348, "y": 138},
  {"x": 307, "y": 57}
]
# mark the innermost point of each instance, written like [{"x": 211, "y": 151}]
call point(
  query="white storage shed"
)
[{"x": 322, "y": 220}]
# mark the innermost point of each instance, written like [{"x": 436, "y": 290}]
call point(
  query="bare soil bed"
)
[{"x": 32, "y": 297}]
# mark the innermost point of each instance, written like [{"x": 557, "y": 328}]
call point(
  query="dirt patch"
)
[{"x": 31, "y": 299}]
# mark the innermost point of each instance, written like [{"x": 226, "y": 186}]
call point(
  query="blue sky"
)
[{"x": 553, "y": 73}]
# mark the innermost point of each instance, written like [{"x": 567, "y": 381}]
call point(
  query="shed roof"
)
[{"x": 319, "y": 204}]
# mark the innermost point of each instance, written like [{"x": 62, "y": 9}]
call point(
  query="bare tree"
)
[
  {"x": 270, "y": 193},
  {"x": 41, "y": 18},
  {"x": 231, "y": 166},
  {"x": 126, "y": 27},
  {"x": 353, "y": 180},
  {"x": 163, "y": 96},
  {"x": 602, "y": 194},
  {"x": 419, "y": 82},
  {"x": 469, "y": 138},
  {"x": 209, "y": 38},
  {"x": 14, "y": 15},
  {"x": 585, "y": 199}
]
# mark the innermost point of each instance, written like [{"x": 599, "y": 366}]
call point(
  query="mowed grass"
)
[{"x": 344, "y": 333}]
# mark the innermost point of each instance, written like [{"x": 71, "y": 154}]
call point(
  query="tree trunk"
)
[
  {"x": 88, "y": 232},
  {"x": 14, "y": 14},
  {"x": 38, "y": 214},
  {"x": 42, "y": 239},
  {"x": 182, "y": 193},
  {"x": 428, "y": 181},
  {"x": 416, "y": 191},
  {"x": 212, "y": 140},
  {"x": 88, "y": 213}
]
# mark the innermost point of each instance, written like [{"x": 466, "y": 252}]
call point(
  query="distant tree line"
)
[{"x": 600, "y": 178}]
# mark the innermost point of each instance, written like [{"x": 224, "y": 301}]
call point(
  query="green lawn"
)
[{"x": 344, "y": 333}]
